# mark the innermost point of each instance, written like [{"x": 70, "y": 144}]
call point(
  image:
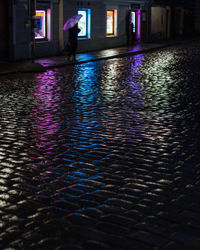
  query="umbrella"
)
[{"x": 72, "y": 22}]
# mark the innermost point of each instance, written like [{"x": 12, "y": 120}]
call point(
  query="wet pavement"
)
[
  {"x": 41, "y": 64},
  {"x": 103, "y": 155},
  {"x": 105, "y": 54}
]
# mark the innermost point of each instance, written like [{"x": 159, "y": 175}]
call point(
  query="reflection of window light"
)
[
  {"x": 111, "y": 22},
  {"x": 85, "y": 23}
]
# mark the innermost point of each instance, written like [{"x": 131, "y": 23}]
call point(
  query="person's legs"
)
[
  {"x": 67, "y": 58},
  {"x": 73, "y": 57},
  {"x": 74, "y": 48},
  {"x": 70, "y": 52}
]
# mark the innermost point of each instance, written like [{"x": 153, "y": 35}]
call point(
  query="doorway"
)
[
  {"x": 134, "y": 31},
  {"x": 4, "y": 29}
]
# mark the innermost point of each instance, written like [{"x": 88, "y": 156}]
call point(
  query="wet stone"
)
[
  {"x": 75, "y": 233},
  {"x": 108, "y": 227},
  {"x": 120, "y": 242},
  {"x": 120, "y": 220},
  {"x": 50, "y": 243},
  {"x": 179, "y": 245},
  {"x": 91, "y": 211},
  {"x": 91, "y": 244},
  {"x": 70, "y": 247},
  {"x": 119, "y": 203},
  {"x": 103, "y": 154},
  {"x": 80, "y": 219},
  {"x": 149, "y": 238}
]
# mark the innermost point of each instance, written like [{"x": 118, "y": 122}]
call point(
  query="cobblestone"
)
[{"x": 103, "y": 155}]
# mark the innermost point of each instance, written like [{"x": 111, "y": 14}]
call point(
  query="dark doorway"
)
[
  {"x": 167, "y": 21},
  {"x": 4, "y": 29},
  {"x": 188, "y": 23}
]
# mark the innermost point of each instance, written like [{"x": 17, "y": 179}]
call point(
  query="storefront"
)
[
  {"x": 134, "y": 26},
  {"x": 104, "y": 24},
  {"x": 84, "y": 23},
  {"x": 45, "y": 29}
]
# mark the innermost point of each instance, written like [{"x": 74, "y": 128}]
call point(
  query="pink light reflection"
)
[
  {"x": 47, "y": 121},
  {"x": 47, "y": 93}
]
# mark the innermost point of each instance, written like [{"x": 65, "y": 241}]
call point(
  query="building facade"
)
[
  {"x": 197, "y": 16},
  {"x": 46, "y": 23},
  {"x": 161, "y": 14},
  {"x": 104, "y": 24},
  {"x": 5, "y": 23}
]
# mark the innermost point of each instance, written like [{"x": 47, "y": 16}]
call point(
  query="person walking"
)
[{"x": 72, "y": 43}]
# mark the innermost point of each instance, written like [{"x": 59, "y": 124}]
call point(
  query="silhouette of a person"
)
[{"x": 72, "y": 42}]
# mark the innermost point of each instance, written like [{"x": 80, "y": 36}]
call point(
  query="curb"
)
[
  {"x": 32, "y": 67},
  {"x": 111, "y": 57},
  {"x": 20, "y": 70}
]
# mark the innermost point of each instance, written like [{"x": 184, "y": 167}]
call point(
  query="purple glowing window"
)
[{"x": 136, "y": 23}]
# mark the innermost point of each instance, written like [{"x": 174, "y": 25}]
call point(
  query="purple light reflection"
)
[
  {"x": 47, "y": 96},
  {"x": 135, "y": 87}
]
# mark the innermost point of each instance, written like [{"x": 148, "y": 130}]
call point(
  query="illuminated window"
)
[
  {"x": 85, "y": 23},
  {"x": 42, "y": 24},
  {"x": 133, "y": 21},
  {"x": 136, "y": 23},
  {"x": 111, "y": 22}
]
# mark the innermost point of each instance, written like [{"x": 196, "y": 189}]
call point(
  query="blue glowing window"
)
[
  {"x": 85, "y": 23},
  {"x": 133, "y": 20},
  {"x": 40, "y": 24}
]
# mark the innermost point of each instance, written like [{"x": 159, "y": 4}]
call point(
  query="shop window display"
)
[
  {"x": 42, "y": 24},
  {"x": 84, "y": 23},
  {"x": 111, "y": 22}
]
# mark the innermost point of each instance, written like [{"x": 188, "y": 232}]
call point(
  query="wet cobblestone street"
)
[{"x": 103, "y": 155}]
